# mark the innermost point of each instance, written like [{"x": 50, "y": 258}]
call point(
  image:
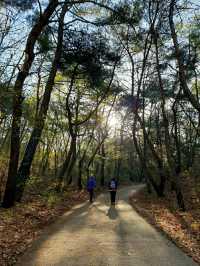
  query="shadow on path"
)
[{"x": 112, "y": 213}]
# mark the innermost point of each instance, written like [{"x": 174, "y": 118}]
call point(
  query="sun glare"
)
[{"x": 114, "y": 121}]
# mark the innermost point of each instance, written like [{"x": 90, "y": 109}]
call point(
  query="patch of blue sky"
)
[{"x": 12, "y": 42}]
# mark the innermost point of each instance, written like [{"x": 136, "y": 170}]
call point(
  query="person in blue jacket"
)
[{"x": 91, "y": 184}]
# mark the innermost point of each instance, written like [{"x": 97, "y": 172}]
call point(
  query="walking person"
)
[
  {"x": 91, "y": 184},
  {"x": 112, "y": 187}
]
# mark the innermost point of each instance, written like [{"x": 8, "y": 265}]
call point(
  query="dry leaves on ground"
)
[
  {"x": 183, "y": 228},
  {"x": 20, "y": 225}
]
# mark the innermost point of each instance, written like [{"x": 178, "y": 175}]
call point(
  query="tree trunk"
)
[
  {"x": 178, "y": 151},
  {"x": 81, "y": 162},
  {"x": 72, "y": 162},
  {"x": 80, "y": 167},
  {"x": 94, "y": 154},
  {"x": 24, "y": 169},
  {"x": 156, "y": 157},
  {"x": 10, "y": 190},
  {"x": 145, "y": 169},
  {"x": 64, "y": 167}
]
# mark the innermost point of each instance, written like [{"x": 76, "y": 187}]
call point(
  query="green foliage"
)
[
  {"x": 20, "y": 4},
  {"x": 51, "y": 198},
  {"x": 34, "y": 181},
  {"x": 126, "y": 12},
  {"x": 196, "y": 87},
  {"x": 90, "y": 51},
  {"x": 131, "y": 102},
  {"x": 6, "y": 96},
  {"x": 195, "y": 34},
  {"x": 152, "y": 90},
  {"x": 29, "y": 107},
  {"x": 45, "y": 44}
]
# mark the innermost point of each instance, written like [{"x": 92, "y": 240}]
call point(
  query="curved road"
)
[{"x": 100, "y": 235}]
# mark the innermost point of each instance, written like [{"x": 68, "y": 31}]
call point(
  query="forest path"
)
[{"x": 100, "y": 235}]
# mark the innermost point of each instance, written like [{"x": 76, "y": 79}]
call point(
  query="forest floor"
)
[
  {"x": 23, "y": 223},
  {"x": 102, "y": 235},
  {"x": 183, "y": 228}
]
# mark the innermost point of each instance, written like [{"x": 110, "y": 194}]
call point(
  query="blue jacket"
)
[{"x": 91, "y": 183}]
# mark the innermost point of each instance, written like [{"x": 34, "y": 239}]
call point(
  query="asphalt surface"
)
[{"x": 101, "y": 235}]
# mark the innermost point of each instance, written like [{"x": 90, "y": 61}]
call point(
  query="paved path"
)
[{"x": 100, "y": 235}]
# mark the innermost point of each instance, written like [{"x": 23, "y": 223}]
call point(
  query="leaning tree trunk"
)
[
  {"x": 9, "y": 195},
  {"x": 24, "y": 169}
]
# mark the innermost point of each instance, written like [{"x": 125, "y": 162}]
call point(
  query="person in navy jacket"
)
[{"x": 91, "y": 184}]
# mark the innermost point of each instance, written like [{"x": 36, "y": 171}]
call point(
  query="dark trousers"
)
[
  {"x": 91, "y": 192},
  {"x": 112, "y": 196}
]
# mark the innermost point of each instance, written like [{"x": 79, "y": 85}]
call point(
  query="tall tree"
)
[
  {"x": 17, "y": 101},
  {"x": 24, "y": 170}
]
